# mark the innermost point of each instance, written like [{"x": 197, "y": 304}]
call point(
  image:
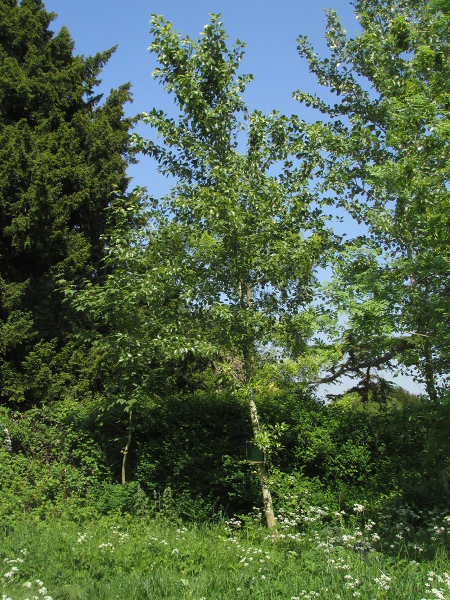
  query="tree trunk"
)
[
  {"x": 248, "y": 353},
  {"x": 429, "y": 373},
  {"x": 262, "y": 471},
  {"x": 127, "y": 447}
]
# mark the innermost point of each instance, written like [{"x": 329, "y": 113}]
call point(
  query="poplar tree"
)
[{"x": 253, "y": 233}]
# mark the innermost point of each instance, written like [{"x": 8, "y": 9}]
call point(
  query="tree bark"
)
[
  {"x": 248, "y": 353},
  {"x": 262, "y": 470},
  {"x": 429, "y": 373},
  {"x": 127, "y": 447}
]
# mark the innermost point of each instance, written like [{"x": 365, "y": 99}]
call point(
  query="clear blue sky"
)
[{"x": 268, "y": 28}]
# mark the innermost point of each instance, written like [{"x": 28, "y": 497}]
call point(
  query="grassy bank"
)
[{"x": 315, "y": 554}]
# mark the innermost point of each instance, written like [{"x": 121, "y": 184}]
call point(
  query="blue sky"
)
[{"x": 268, "y": 28}]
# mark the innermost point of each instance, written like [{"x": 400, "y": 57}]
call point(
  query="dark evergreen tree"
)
[{"x": 63, "y": 153}]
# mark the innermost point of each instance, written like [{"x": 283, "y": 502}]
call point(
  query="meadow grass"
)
[{"x": 313, "y": 554}]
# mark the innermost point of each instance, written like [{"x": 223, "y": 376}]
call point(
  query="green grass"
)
[{"x": 314, "y": 555}]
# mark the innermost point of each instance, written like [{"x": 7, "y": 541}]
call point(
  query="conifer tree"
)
[{"x": 63, "y": 150}]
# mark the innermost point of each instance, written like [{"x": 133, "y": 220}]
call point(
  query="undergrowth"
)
[{"x": 315, "y": 553}]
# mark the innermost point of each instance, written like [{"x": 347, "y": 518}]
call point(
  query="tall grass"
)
[{"x": 314, "y": 554}]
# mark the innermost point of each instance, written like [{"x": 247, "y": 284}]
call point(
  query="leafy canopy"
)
[
  {"x": 386, "y": 149},
  {"x": 252, "y": 227}
]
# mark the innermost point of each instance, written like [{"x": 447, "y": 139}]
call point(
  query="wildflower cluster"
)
[
  {"x": 120, "y": 534},
  {"x": 35, "y": 590},
  {"x": 316, "y": 553},
  {"x": 233, "y": 523},
  {"x": 342, "y": 538},
  {"x": 304, "y": 595},
  {"x": 383, "y": 582},
  {"x": 437, "y": 586},
  {"x": 253, "y": 559}
]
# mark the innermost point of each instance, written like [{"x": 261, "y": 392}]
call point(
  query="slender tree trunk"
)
[
  {"x": 262, "y": 471},
  {"x": 429, "y": 373},
  {"x": 248, "y": 353},
  {"x": 127, "y": 447}
]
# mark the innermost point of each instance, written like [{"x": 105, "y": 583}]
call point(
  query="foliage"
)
[
  {"x": 136, "y": 320},
  {"x": 53, "y": 463},
  {"x": 64, "y": 459},
  {"x": 254, "y": 239},
  {"x": 349, "y": 450},
  {"x": 181, "y": 312},
  {"x": 136, "y": 317},
  {"x": 188, "y": 456},
  {"x": 62, "y": 153},
  {"x": 386, "y": 145},
  {"x": 390, "y": 555}
]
